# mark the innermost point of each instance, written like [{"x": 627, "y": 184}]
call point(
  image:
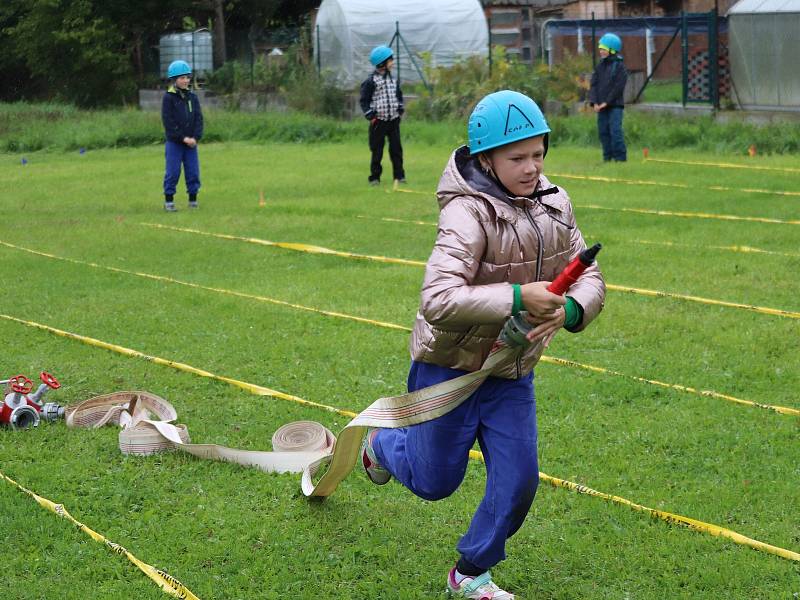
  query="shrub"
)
[
  {"x": 290, "y": 74},
  {"x": 455, "y": 90}
]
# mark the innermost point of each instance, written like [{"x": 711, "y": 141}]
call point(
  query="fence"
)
[{"x": 684, "y": 48}]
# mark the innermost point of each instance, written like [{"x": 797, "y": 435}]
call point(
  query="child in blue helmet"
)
[
  {"x": 505, "y": 231},
  {"x": 183, "y": 128},
  {"x": 382, "y": 104},
  {"x": 606, "y": 95}
]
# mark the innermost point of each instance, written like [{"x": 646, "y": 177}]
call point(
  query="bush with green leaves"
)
[
  {"x": 454, "y": 91},
  {"x": 290, "y": 74}
]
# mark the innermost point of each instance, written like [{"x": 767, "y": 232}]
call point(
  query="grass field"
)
[{"x": 231, "y": 532}]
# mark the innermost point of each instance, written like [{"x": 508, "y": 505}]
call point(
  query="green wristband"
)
[
  {"x": 517, "y": 305},
  {"x": 573, "y": 313}
]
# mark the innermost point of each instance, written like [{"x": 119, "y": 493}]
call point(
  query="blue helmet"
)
[
  {"x": 177, "y": 68},
  {"x": 502, "y": 118},
  {"x": 610, "y": 42},
  {"x": 380, "y": 54}
]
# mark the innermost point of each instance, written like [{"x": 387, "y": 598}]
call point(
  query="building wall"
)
[
  {"x": 511, "y": 26},
  {"x": 609, "y": 9},
  {"x": 602, "y": 9}
]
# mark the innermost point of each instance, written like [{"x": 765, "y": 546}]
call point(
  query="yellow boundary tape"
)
[
  {"x": 660, "y": 213},
  {"x": 715, "y": 188},
  {"x": 619, "y": 288},
  {"x": 690, "y": 215},
  {"x": 722, "y": 165},
  {"x": 778, "y": 312},
  {"x": 784, "y": 410},
  {"x": 552, "y": 360},
  {"x": 663, "y": 515},
  {"x": 197, "y": 286},
  {"x": 164, "y": 580},
  {"x": 310, "y": 248},
  {"x": 743, "y": 249},
  {"x": 387, "y": 325}
]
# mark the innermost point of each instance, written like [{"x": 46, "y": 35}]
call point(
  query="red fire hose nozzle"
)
[{"x": 574, "y": 270}]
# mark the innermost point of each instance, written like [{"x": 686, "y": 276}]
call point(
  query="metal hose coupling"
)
[
  {"x": 515, "y": 331},
  {"x": 52, "y": 412},
  {"x": 23, "y": 417}
]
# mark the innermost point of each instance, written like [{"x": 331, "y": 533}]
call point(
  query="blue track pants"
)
[
  {"x": 177, "y": 154},
  {"x": 612, "y": 138},
  {"x": 431, "y": 459}
]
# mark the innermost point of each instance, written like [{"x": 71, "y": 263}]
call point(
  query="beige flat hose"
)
[{"x": 298, "y": 447}]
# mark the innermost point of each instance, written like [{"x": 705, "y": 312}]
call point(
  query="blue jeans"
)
[
  {"x": 431, "y": 458},
  {"x": 609, "y": 126},
  {"x": 177, "y": 154}
]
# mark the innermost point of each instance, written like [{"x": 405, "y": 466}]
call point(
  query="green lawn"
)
[
  {"x": 663, "y": 91},
  {"x": 231, "y": 532}
]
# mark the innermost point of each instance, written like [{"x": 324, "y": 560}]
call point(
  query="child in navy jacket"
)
[{"x": 183, "y": 128}]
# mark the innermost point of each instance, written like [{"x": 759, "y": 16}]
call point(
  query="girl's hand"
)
[
  {"x": 541, "y": 304},
  {"x": 547, "y": 329}
]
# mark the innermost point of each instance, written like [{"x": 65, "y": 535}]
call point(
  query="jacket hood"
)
[{"x": 463, "y": 177}]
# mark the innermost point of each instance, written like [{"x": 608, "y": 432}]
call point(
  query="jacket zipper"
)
[
  {"x": 540, "y": 251},
  {"x": 539, "y": 256},
  {"x": 467, "y": 333}
]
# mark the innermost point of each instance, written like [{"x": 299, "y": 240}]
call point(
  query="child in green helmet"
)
[{"x": 504, "y": 233}]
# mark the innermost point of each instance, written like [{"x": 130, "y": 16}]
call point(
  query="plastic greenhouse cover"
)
[
  {"x": 764, "y": 6},
  {"x": 444, "y": 30}
]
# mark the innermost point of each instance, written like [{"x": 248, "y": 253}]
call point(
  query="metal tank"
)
[{"x": 193, "y": 47}]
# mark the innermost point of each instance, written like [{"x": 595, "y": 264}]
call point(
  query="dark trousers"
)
[
  {"x": 609, "y": 126},
  {"x": 430, "y": 459},
  {"x": 177, "y": 155},
  {"x": 377, "y": 133}
]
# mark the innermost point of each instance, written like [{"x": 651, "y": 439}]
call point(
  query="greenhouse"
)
[
  {"x": 441, "y": 31},
  {"x": 764, "y": 46}
]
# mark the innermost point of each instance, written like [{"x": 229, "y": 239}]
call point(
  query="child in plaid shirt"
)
[{"x": 382, "y": 104}]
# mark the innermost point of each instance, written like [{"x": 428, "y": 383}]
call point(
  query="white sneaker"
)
[{"x": 478, "y": 588}]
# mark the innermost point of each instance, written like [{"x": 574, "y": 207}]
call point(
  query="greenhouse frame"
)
[
  {"x": 440, "y": 31},
  {"x": 764, "y": 49}
]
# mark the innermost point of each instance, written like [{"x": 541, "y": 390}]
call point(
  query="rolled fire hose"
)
[{"x": 299, "y": 447}]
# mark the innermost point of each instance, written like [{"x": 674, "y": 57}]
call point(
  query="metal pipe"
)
[{"x": 545, "y": 34}]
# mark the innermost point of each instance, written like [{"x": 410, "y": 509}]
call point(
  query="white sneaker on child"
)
[{"x": 478, "y": 588}]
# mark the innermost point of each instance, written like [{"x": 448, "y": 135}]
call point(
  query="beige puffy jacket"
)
[{"x": 487, "y": 241}]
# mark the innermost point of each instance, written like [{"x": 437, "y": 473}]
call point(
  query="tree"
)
[
  {"x": 76, "y": 53},
  {"x": 91, "y": 51}
]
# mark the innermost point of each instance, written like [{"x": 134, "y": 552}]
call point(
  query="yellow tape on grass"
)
[
  {"x": 163, "y": 579},
  {"x": 720, "y": 165},
  {"x": 552, "y": 360},
  {"x": 666, "y": 516}
]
